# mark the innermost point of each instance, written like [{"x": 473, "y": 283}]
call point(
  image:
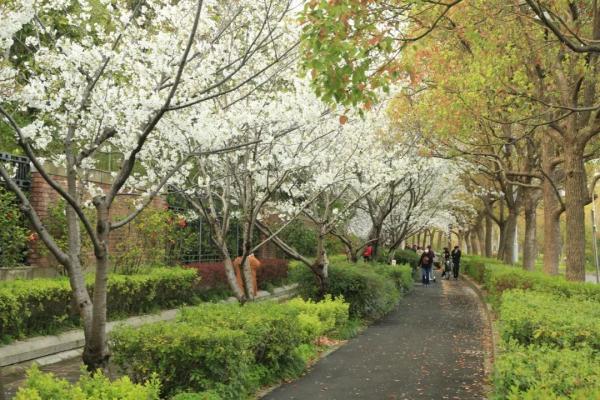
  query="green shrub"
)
[
  {"x": 13, "y": 231},
  {"x": 327, "y": 317},
  {"x": 475, "y": 269},
  {"x": 273, "y": 329},
  {"x": 550, "y": 331},
  {"x": 301, "y": 237},
  {"x": 401, "y": 275},
  {"x": 227, "y": 348},
  {"x": 42, "y": 386},
  {"x": 371, "y": 295},
  {"x": 158, "y": 288},
  {"x": 43, "y": 306},
  {"x": 497, "y": 278},
  {"x": 539, "y": 372},
  {"x": 542, "y": 318},
  {"x": 407, "y": 257},
  {"x": 186, "y": 357}
]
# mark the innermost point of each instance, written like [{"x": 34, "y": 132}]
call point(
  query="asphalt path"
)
[{"x": 430, "y": 347}]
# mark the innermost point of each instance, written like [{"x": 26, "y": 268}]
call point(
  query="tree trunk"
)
[
  {"x": 79, "y": 290},
  {"x": 489, "y": 236},
  {"x": 509, "y": 237},
  {"x": 247, "y": 275},
  {"x": 468, "y": 242},
  {"x": 231, "y": 277},
  {"x": 248, "y": 278},
  {"x": 529, "y": 243},
  {"x": 501, "y": 241},
  {"x": 439, "y": 240},
  {"x": 321, "y": 266},
  {"x": 475, "y": 244},
  {"x": 575, "y": 200},
  {"x": 479, "y": 232},
  {"x": 374, "y": 237},
  {"x": 419, "y": 239},
  {"x": 95, "y": 352},
  {"x": 552, "y": 210}
]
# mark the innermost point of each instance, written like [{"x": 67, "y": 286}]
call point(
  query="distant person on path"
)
[
  {"x": 456, "y": 253},
  {"x": 368, "y": 253},
  {"x": 433, "y": 261},
  {"x": 447, "y": 264},
  {"x": 426, "y": 262}
]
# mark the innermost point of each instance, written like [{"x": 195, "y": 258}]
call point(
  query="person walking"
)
[
  {"x": 426, "y": 263},
  {"x": 447, "y": 264},
  {"x": 456, "y": 253},
  {"x": 368, "y": 253},
  {"x": 431, "y": 253}
]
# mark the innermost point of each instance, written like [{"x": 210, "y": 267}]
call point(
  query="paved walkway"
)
[{"x": 431, "y": 347}]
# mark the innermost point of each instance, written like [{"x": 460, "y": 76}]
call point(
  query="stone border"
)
[
  {"x": 46, "y": 350},
  {"x": 489, "y": 357}
]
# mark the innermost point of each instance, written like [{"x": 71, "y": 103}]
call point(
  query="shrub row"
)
[
  {"x": 272, "y": 272},
  {"x": 372, "y": 290},
  {"x": 43, "y": 306},
  {"x": 407, "y": 257},
  {"x": 41, "y": 386},
  {"x": 497, "y": 278},
  {"x": 550, "y": 330},
  {"x": 541, "y": 372},
  {"x": 553, "y": 320},
  {"x": 227, "y": 349}
]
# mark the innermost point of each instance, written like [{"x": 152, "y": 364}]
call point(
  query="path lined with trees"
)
[{"x": 430, "y": 347}]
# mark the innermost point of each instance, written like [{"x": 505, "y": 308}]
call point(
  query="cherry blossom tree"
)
[
  {"x": 128, "y": 80},
  {"x": 284, "y": 127}
]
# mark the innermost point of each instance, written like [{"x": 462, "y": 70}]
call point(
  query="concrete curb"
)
[
  {"x": 493, "y": 333},
  {"x": 55, "y": 348}
]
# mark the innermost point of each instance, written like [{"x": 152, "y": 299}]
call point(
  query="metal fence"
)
[
  {"x": 196, "y": 246},
  {"x": 23, "y": 169}
]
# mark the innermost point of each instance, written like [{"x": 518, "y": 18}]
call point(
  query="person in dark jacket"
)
[
  {"x": 426, "y": 263},
  {"x": 447, "y": 263},
  {"x": 456, "y": 253}
]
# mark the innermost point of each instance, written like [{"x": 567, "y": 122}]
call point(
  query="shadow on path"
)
[{"x": 431, "y": 347}]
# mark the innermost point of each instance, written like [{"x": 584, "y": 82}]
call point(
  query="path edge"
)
[
  {"x": 492, "y": 355},
  {"x": 264, "y": 392}
]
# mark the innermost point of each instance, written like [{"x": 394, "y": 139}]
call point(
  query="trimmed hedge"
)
[
  {"x": 545, "y": 319},
  {"x": 550, "y": 330},
  {"x": 185, "y": 356},
  {"x": 44, "y": 306},
  {"x": 372, "y": 290},
  {"x": 214, "y": 285},
  {"x": 43, "y": 386},
  {"x": 497, "y": 278},
  {"x": 228, "y": 349},
  {"x": 541, "y": 372},
  {"x": 407, "y": 257},
  {"x": 272, "y": 272}
]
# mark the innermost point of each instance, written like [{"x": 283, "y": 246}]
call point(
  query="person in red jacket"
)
[{"x": 368, "y": 253}]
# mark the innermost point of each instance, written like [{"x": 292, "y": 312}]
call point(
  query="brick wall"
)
[{"x": 43, "y": 197}]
